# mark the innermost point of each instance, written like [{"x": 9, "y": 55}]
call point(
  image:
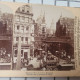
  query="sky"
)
[{"x": 51, "y": 13}]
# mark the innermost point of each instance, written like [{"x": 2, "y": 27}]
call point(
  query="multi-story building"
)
[
  {"x": 65, "y": 30},
  {"x": 23, "y": 28},
  {"x": 65, "y": 27},
  {"x": 6, "y": 23}
]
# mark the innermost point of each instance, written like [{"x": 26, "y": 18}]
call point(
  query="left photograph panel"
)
[{"x": 6, "y": 27}]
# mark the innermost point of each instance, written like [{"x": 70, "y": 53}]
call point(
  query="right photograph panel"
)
[{"x": 43, "y": 38}]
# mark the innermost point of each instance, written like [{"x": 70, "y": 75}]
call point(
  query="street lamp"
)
[{"x": 18, "y": 65}]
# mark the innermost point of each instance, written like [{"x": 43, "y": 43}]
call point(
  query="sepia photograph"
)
[
  {"x": 43, "y": 39},
  {"x": 37, "y": 38}
]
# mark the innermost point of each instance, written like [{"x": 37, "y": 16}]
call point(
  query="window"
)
[
  {"x": 25, "y": 55},
  {"x": 61, "y": 3},
  {"x": 18, "y": 27},
  {"x": 27, "y": 28},
  {"x": 17, "y": 18},
  {"x": 15, "y": 53},
  {"x": 50, "y": 2},
  {"x": 26, "y": 19},
  {"x": 75, "y": 4},
  {"x": 23, "y": 9},
  {"x": 20, "y": 0},
  {"x": 26, "y": 38},
  {"x": 27, "y": 11},
  {"x": 35, "y": 1},
  {"x": 22, "y": 38},
  {"x": 23, "y": 19},
  {"x": 17, "y": 38}
]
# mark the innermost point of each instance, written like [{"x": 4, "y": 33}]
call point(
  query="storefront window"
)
[{"x": 25, "y": 55}]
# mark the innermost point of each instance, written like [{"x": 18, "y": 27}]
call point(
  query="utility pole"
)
[{"x": 18, "y": 65}]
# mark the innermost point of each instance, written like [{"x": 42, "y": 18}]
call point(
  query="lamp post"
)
[{"x": 18, "y": 65}]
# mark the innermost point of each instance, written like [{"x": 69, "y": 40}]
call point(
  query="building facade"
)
[
  {"x": 6, "y": 23},
  {"x": 41, "y": 24},
  {"x": 23, "y": 28},
  {"x": 65, "y": 27},
  {"x": 65, "y": 30}
]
